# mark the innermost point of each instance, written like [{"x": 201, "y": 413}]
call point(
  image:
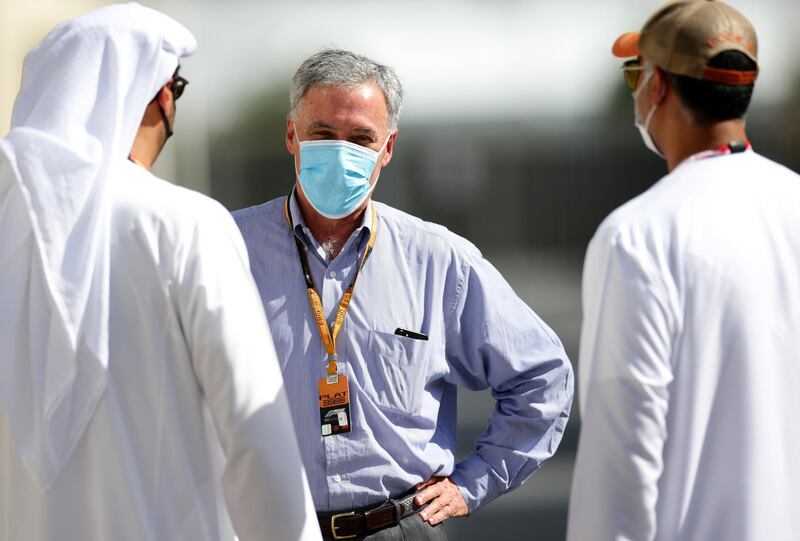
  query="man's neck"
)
[
  {"x": 150, "y": 137},
  {"x": 696, "y": 139},
  {"x": 146, "y": 147},
  {"x": 330, "y": 234}
]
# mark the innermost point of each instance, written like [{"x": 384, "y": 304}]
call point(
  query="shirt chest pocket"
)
[{"x": 397, "y": 369}]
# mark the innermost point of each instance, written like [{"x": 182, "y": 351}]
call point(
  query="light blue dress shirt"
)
[{"x": 423, "y": 278}]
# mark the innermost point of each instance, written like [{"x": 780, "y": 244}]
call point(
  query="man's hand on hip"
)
[{"x": 445, "y": 500}]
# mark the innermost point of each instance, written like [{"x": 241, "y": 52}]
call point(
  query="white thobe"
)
[
  {"x": 690, "y": 360},
  {"x": 187, "y": 336}
]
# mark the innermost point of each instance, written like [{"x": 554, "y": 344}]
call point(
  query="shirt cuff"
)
[{"x": 473, "y": 477}]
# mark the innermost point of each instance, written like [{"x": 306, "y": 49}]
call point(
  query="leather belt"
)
[{"x": 350, "y": 524}]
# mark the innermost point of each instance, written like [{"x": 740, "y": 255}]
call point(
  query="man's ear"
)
[
  {"x": 165, "y": 98},
  {"x": 387, "y": 157},
  {"x": 291, "y": 140},
  {"x": 660, "y": 85}
]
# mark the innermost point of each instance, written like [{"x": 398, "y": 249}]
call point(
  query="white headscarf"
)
[{"x": 84, "y": 92}]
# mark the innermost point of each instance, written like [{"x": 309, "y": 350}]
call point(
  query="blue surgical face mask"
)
[{"x": 335, "y": 175}]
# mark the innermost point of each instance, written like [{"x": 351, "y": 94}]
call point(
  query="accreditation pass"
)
[{"x": 334, "y": 406}]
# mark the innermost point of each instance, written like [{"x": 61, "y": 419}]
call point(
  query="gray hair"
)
[{"x": 337, "y": 67}]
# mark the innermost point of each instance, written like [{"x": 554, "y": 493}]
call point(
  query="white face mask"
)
[{"x": 644, "y": 127}]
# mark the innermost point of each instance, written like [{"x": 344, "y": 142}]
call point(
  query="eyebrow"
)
[
  {"x": 366, "y": 131},
  {"x": 321, "y": 125},
  {"x": 318, "y": 124}
]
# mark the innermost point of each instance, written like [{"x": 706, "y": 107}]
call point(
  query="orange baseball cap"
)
[{"x": 684, "y": 35}]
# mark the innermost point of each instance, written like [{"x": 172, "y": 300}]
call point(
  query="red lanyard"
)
[{"x": 734, "y": 147}]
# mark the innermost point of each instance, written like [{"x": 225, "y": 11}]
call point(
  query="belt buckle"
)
[{"x": 334, "y": 527}]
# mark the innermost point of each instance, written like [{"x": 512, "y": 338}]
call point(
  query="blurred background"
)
[{"x": 517, "y": 133}]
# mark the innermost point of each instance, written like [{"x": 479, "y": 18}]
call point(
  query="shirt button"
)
[{"x": 332, "y": 274}]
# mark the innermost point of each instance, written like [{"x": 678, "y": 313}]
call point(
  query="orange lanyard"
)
[{"x": 327, "y": 334}]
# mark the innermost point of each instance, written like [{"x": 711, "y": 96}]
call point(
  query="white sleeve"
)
[
  {"x": 624, "y": 373},
  {"x": 235, "y": 363}
]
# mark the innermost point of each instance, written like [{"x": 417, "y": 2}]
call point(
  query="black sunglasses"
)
[{"x": 178, "y": 85}]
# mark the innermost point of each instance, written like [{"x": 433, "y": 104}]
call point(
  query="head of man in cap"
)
[
  {"x": 688, "y": 373},
  {"x": 691, "y": 70}
]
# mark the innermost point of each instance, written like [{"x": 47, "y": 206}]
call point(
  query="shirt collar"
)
[
  {"x": 734, "y": 147},
  {"x": 296, "y": 216},
  {"x": 362, "y": 232}
]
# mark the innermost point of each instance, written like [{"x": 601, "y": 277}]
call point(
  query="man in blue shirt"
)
[{"x": 377, "y": 316}]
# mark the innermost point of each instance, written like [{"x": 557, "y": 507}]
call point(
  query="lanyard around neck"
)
[
  {"x": 327, "y": 334},
  {"x": 734, "y": 147}
]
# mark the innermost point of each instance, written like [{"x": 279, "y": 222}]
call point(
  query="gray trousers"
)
[{"x": 410, "y": 529}]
